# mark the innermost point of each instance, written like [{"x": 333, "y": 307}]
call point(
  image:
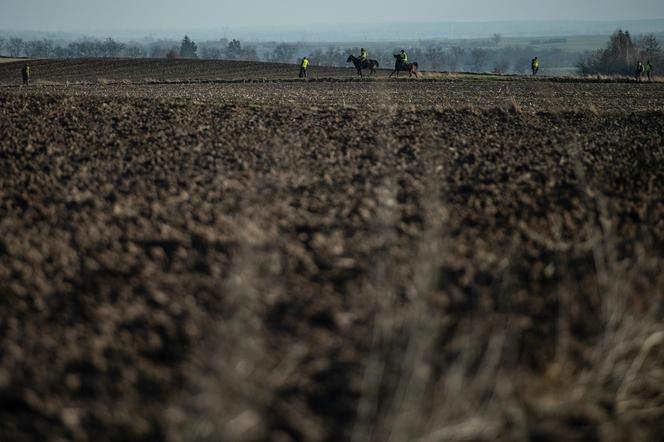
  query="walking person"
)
[
  {"x": 639, "y": 71},
  {"x": 649, "y": 70},
  {"x": 25, "y": 73},
  {"x": 303, "y": 67}
]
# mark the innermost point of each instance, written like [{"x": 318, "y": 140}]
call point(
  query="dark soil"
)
[
  {"x": 252, "y": 267},
  {"x": 92, "y": 70}
]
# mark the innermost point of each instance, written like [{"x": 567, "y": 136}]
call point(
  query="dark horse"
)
[
  {"x": 366, "y": 64},
  {"x": 411, "y": 68}
]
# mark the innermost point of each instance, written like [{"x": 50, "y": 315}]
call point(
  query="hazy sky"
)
[{"x": 76, "y": 15}]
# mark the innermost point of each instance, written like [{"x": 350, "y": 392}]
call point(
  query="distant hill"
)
[
  {"x": 376, "y": 32},
  {"x": 415, "y": 31}
]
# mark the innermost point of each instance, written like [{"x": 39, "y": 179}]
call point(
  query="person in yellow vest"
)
[
  {"x": 363, "y": 55},
  {"x": 25, "y": 73},
  {"x": 534, "y": 65},
  {"x": 649, "y": 70},
  {"x": 403, "y": 58},
  {"x": 303, "y": 67}
]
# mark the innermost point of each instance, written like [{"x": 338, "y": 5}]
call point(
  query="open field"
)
[
  {"x": 460, "y": 258},
  {"x": 156, "y": 69},
  {"x": 9, "y": 59}
]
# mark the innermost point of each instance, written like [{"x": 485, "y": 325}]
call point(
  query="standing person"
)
[
  {"x": 303, "y": 67},
  {"x": 25, "y": 73},
  {"x": 649, "y": 70},
  {"x": 534, "y": 65},
  {"x": 639, "y": 71}
]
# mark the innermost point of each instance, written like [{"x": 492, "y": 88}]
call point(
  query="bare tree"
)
[
  {"x": 85, "y": 48},
  {"x": 435, "y": 57},
  {"x": 501, "y": 66},
  {"x": 329, "y": 57},
  {"x": 211, "y": 52},
  {"x": 479, "y": 58},
  {"x": 135, "y": 51},
  {"x": 235, "y": 51},
  {"x": 455, "y": 55},
  {"x": 521, "y": 64},
  {"x": 39, "y": 48},
  {"x": 284, "y": 53},
  {"x": 159, "y": 48},
  {"x": 15, "y": 46},
  {"x": 111, "y": 48},
  {"x": 2, "y": 45},
  {"x": 173, "y": 53},
  {"x": 650, "y": 49}
]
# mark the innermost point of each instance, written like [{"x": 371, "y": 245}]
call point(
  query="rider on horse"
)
[
  {"x": 401, "y": 64},
  {"x": 363, "y": 62},
  {"x": 403, "y": 57},
  {"x": 363, "y": 55}
]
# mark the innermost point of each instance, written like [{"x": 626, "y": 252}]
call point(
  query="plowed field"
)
[
  {"x": 104, "y": 70},
  {"x": 447, "y": 259}
]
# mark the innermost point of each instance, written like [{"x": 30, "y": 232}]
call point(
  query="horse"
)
[
  {"x": 366, "y": 64},
  {"x": 411, "y": 68}
]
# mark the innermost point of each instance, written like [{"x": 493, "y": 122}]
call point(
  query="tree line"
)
[
  {"x": 109, "y": 47},
  {"x": 619, "y": 57},
  {"x": 45, "y": 48}
]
